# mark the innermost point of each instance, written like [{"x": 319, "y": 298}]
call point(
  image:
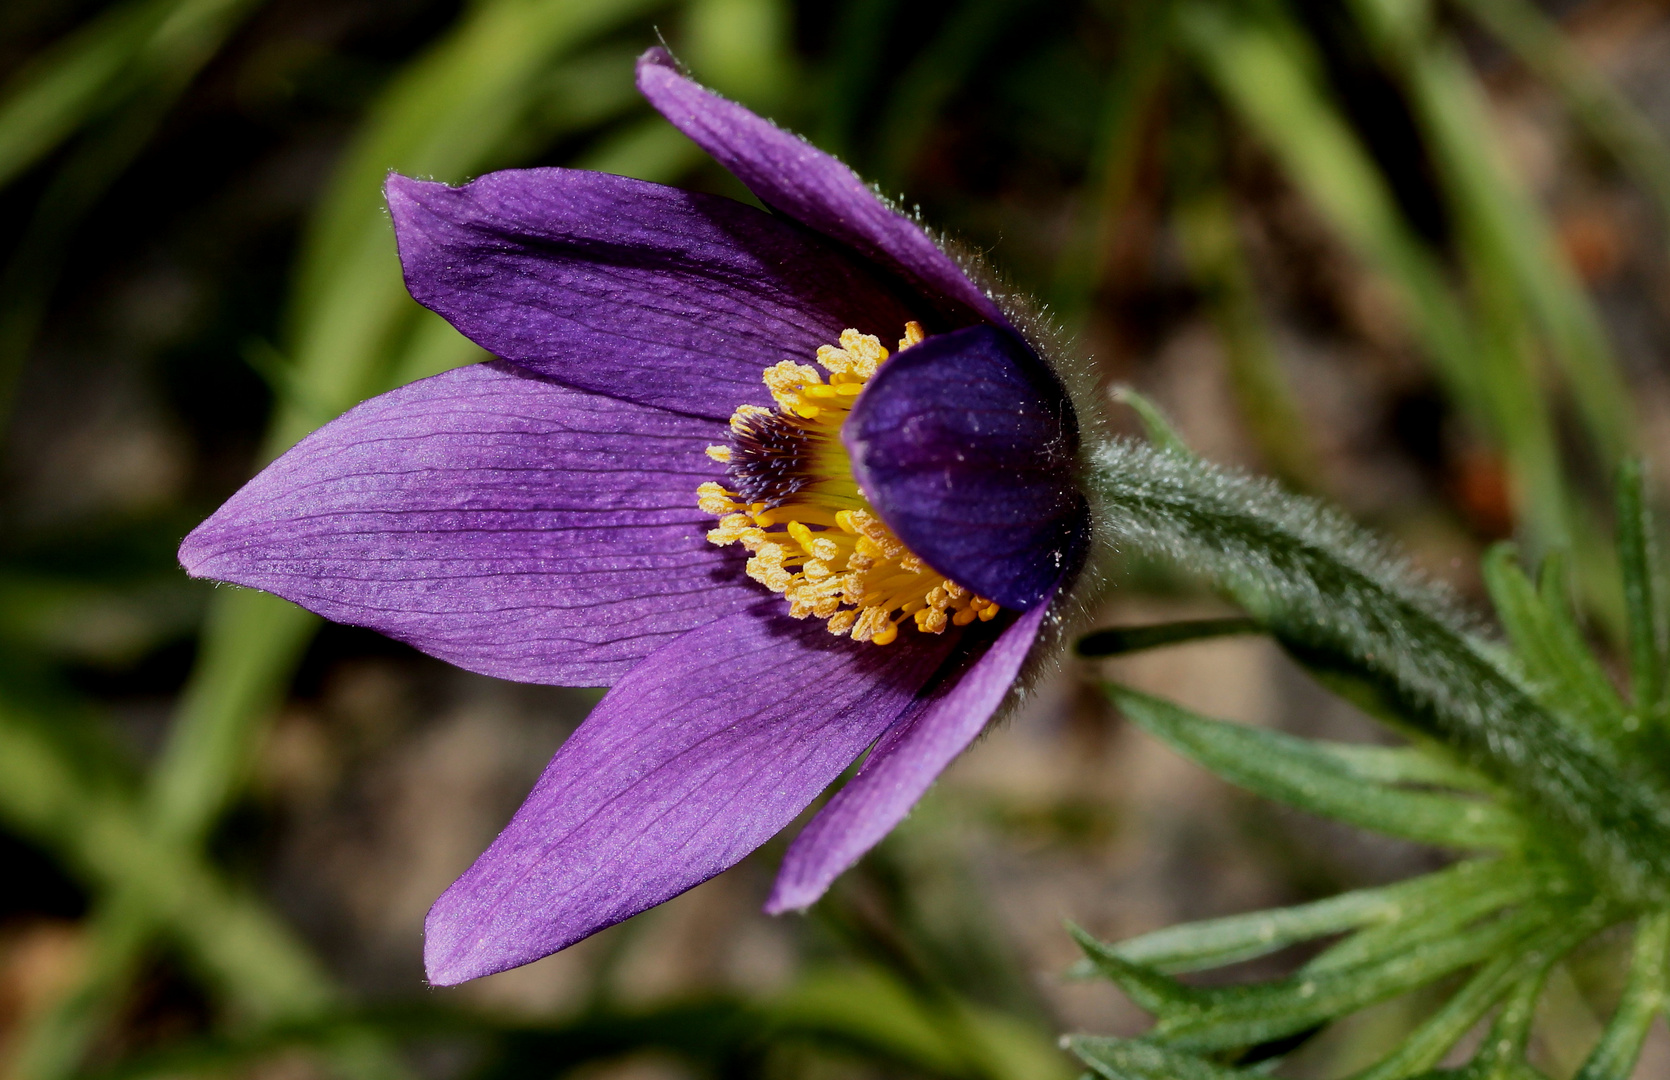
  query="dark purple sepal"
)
[
  {"x": 698, "y": 756},
  {"x": 643, "y": 292},
  {"x": 792, "y": 176},
  {"x": 967, "y": 447}
]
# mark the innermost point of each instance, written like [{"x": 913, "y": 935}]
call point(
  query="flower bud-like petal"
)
[{"x": 967, "y": 446}]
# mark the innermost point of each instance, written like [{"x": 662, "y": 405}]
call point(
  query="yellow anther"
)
[
  {"x": 810, "y": 532},
  {"x": 714, "y": 499},
  {"x": 790, "y": 376}
]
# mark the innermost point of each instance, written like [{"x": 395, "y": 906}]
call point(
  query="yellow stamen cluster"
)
[{"x": 813, "y": 535}]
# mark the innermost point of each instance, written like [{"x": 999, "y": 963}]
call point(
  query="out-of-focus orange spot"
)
[
  {"x": 1480, "y": 488},
  {"x": 1594, "y": 242},
  {"x": 40, "y": 961}
]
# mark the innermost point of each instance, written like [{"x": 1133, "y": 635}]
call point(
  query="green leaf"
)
[
  {"x": 1431, "y": 916},
  {"x": 1133, "y": 1059},
  {"x": 1340, "y": 603},
  {"x": 1645, "y": 995},
  {"x": 1304, "y": 774},
  {"x": 1239, "y": 1016},
  {"x": 1426, "y": 765},
  {"x": 1548, "y": 645},
  {"x": 1218, "y": 942},
  {"x": 1426, "y": 1046},
  {"x": 1649, "y": 646},
  {"x": 1155, "y": 422},
  {"x": 1119, "y": 640},
  {"x": 1147, "y": 986}
]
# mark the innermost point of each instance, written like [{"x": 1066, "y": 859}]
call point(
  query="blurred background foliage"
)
[{"x": 1409, "y": 256}]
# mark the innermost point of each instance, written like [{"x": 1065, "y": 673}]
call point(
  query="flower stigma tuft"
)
[{"x": 792, "y": 503}]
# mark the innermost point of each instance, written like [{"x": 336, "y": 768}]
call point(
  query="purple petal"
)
[
  {"x": 966, "y": 445},
  {"x": 693, "y": 760},
  {"x": 497, "y": 520},
  {"x": 791, "y": 175},
  {"x": 630, "y": 289},
  {"x": 900, "y": 769}
]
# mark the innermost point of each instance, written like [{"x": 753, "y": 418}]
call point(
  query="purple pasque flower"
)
[{"x": 771, "y": 575}]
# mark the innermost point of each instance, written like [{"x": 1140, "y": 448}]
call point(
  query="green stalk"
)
[{"x": 1339, "y": 602}]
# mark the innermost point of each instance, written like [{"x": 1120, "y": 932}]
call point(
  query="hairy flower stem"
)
[{"x": 1351, "y": 611}]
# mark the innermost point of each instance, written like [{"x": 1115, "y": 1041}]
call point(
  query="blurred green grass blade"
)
[
  {"x": 51, "y": 1045},
  {"x": 649, "y": 149},
  {"x": 91, "y": 621},
  {"x": 1135, "y": 86},
  {"x": 1556, "y": 661},
  {"x": 1237, "y": 938},
  {"x": 157, "y": 49},
  {"x": 1509, "y": 372},
  {"x": 873, "y": 1008},
  {"x": 742, "y": 48},
  {"x": 1263, "y": 67},
  {"x": 250, "y": 644},
  {"x": 1212, "y": 251},
  {"x": 101, "y": 835},
  {"x": 116, "y": 53},
  {"x": 1119, "y": 640},
  {"x": 860, "y": 39},
  {"x": 1303, "y": 774},
  {"x": 1649, "y": 646},
  {"x": 1133, "y": 1059},
  {"x": 1268, "y": 78},
  {"x": 1498, "y": 215},
  {"x": 940, "y": 69},
  {"x": 451, "y": 112},
  {"x": 447, "y": 115},
  {"x": 1607, "y": 115},
  {"x": 1156, "y": 424},
  {"x": 1644, "y": 997}
]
